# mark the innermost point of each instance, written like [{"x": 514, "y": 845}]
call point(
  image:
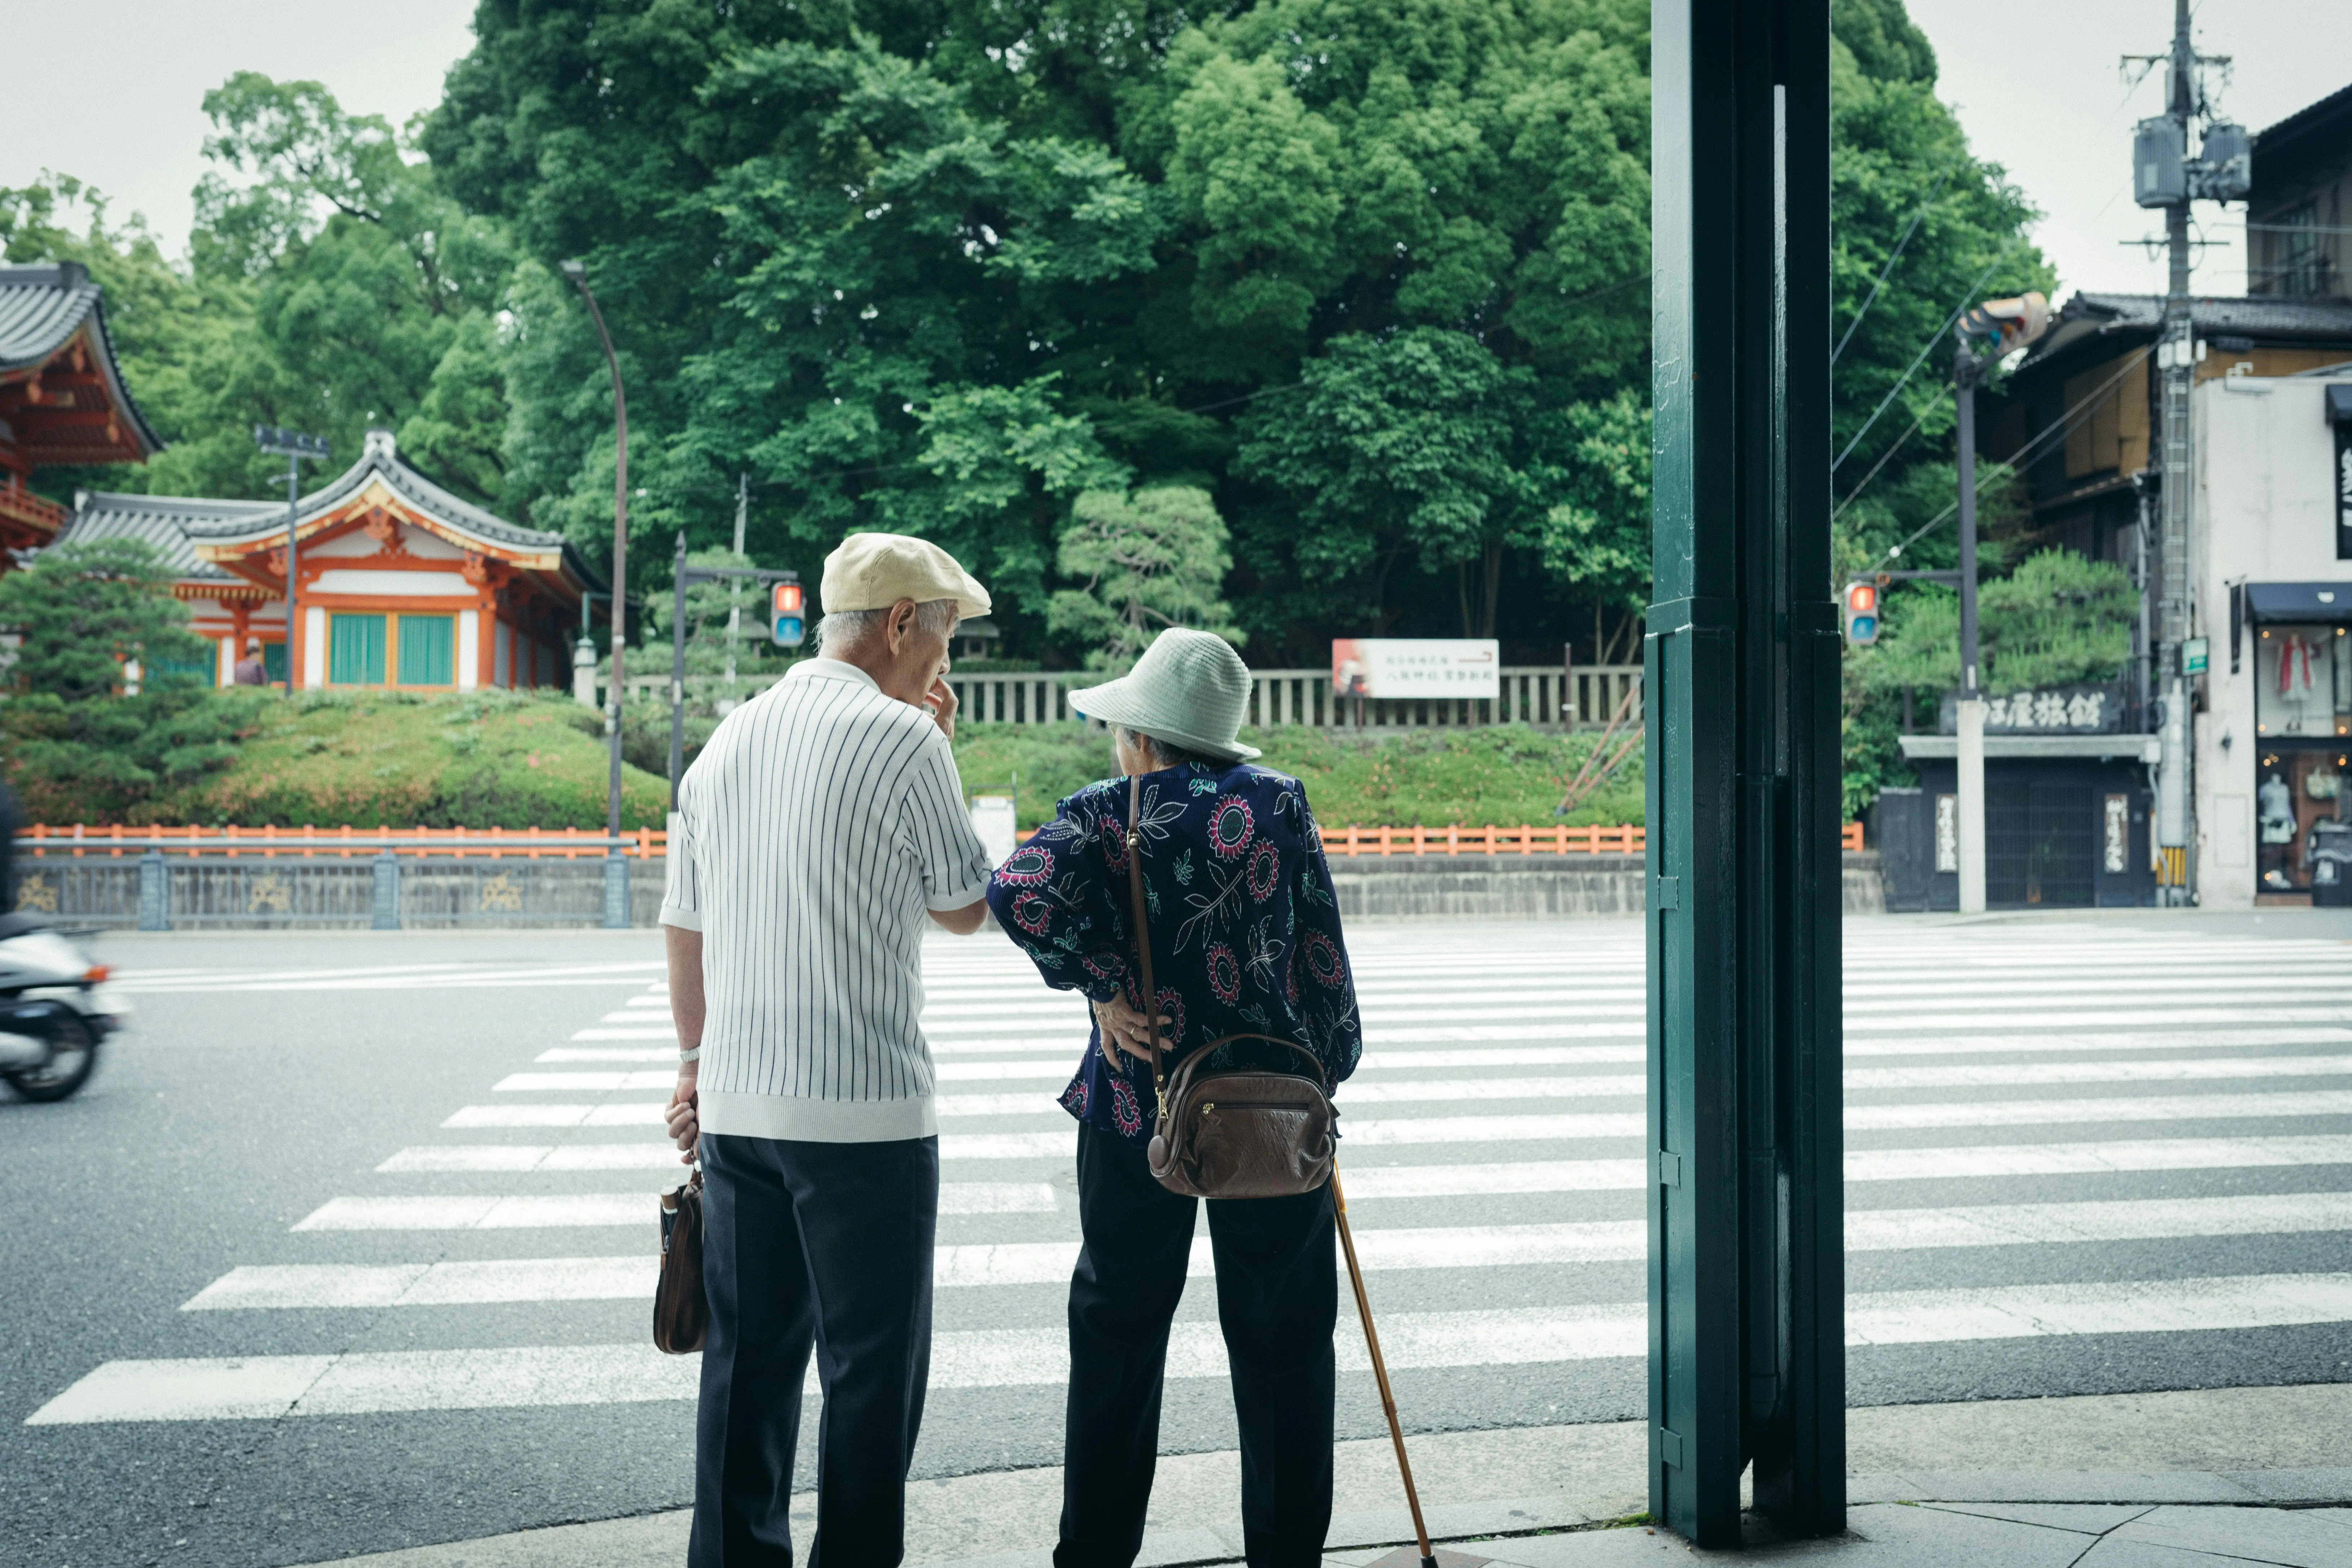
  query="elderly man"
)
[{"x": 819, "y": 830}]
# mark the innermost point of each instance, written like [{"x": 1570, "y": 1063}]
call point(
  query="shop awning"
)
[{"x": 2298, "y": 601}]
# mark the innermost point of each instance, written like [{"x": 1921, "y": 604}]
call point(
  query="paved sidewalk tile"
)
[
  {"x": 2295, "y": 1537},
  {"x": 1884, "y": 1535}
]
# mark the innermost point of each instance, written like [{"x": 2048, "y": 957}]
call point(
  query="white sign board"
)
[
  {"x": 1416, "y": 667},
  {"x": 992, "y": 820}
]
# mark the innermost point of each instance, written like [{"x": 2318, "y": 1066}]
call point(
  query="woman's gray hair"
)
[
  {"x": 845, "y": 629},
  {"x": 1166, "y": 754}
]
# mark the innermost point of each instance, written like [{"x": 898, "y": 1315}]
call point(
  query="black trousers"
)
[
  {"x": 823, "y": 1246},
  {"x": 1277, "y": 1297}
]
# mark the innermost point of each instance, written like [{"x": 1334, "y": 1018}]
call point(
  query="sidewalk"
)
[{"x": 2156, "y": 1480}]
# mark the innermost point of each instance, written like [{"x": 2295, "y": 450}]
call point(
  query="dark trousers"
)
[
  {"x": 1278, "y": 1295},
  {"x": 824, "y": 1246}
]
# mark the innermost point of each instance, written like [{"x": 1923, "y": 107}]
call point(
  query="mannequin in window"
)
[{"x": 2276, "y": 803}]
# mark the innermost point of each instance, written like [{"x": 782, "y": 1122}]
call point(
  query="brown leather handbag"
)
[
  {"x": 1247, "y": 1132},
  {"x": 681, "y": 1311}
]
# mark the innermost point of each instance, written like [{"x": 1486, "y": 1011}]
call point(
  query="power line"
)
[
  {"x": 2066, "y": 423},
  {"x": 1885, "y": 271},
  {"x": 1924, "y": 350}
]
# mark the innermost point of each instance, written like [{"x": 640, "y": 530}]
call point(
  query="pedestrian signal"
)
[
  {"x": 1862, "y": 612},
  {"x": 785, "y": 621}
]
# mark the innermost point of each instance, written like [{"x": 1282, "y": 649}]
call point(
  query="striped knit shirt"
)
[{"x": 818, "y": 825}]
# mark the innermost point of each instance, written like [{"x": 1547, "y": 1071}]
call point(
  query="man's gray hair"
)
[{"x": 845, "y": 629}]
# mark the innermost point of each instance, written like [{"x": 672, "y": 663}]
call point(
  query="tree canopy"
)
[{"x": 1366, "y": 276}]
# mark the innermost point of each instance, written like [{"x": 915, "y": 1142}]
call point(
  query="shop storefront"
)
[
  {"x": 2273, "y": 720},
  {"x": 2303, "y": 724}
]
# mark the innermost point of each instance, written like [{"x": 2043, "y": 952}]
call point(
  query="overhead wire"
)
[
  {"x": 2066, "y": 423},
  {"x": 1888, "y": 271}
]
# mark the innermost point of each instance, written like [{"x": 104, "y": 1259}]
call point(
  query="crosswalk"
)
[{"x": 2055, "y": 1134}]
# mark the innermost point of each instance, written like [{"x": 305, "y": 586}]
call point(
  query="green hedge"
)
[
  {"x": 1505, "y": 776},
  {"x": 495, "y": 759},
  {"x": 371, "y": 758}
]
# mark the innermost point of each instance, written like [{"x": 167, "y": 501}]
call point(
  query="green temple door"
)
[{"x": 1747, "y": 1342}]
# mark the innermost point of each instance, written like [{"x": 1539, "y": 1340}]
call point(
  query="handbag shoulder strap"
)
[{"x": 1143, "y": 934}]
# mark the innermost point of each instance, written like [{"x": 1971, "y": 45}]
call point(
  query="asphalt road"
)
[{"x": 319, "y": 1264}]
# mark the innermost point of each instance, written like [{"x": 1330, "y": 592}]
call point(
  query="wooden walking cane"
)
[{"x": 1403, "y": 1556}]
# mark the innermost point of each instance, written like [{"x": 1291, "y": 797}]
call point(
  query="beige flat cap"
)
[{"x": 875, "y": 571}]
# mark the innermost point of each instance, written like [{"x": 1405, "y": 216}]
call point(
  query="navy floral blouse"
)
[{"x": 1245, "y": 929}]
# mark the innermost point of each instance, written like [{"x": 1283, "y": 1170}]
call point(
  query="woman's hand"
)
[{"x": 1125, "y": 1027}]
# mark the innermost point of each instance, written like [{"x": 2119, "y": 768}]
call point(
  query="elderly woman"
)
[{"x": 1245, "y": 936}]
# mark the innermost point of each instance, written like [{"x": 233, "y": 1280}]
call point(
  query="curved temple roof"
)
[
  {"x": 223, "y": 539},
  {"x": 42, "y": 310}
]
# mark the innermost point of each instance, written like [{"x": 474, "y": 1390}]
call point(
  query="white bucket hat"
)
[{"x": 1190, "y": 689}]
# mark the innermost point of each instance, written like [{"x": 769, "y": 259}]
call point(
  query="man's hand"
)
[
  {"x": 941, "y": 702},
  {"x": 684, "y": 1125},
  {"x": 1125, "y": 1027}
]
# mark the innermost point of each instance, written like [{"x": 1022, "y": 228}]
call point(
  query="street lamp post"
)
[
  {"x": 294, "y": 446},
  {"x": 617, "y": 886}
]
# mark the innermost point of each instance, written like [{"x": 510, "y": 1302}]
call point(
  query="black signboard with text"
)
[{"x": 2048, "y": 711}]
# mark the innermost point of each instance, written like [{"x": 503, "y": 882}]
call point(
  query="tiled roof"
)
[
  {"x": 2260, "y": 315},
  {"x": 381, "y": 459},
  {"x": 165, "y": 522},
  {"x": 41, "y": 308}
]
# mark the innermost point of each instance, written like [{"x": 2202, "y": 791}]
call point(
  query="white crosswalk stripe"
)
[
  {"x": 2113, "y": 1105},
  {"x": 367, "y": 1382}
]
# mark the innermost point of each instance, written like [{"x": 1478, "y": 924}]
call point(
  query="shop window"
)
[
  {"x": 428, "y": 650},
  {"x": 2302, "y": 682},
  {"x": 355, "y": 651},
  {"x": 2296, "y": 788}
]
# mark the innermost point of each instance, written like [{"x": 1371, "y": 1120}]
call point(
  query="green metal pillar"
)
[{"x": 1747, "y": 1281}]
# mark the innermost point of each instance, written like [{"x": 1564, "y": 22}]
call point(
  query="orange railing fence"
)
[
  {"x": 270, "y": 843},
  {"x": 645, "y": 843}
]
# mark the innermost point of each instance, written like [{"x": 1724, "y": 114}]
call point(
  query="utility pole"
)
[
  {"x": 2164, "y": 175},
  {"x": 2006, "y": 325},
  {"x": 616, "y": 871},
  {"x": 294, "y": 446},
  {"x": 734, "y": 599}
]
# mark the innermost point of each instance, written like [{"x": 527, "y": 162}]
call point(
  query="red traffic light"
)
[
  {"x": 786, "y": 599},
  {"x": 1862, "y": 612}
]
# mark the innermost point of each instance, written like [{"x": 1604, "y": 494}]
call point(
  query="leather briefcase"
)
[
  {"x": 1238, "y": 1132},
  {"x": 681, "y": 1311}
]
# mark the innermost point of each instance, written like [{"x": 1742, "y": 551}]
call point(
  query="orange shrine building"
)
[
  {"x": 398, "y": 583},
  {"x": 61, "y": 395}
]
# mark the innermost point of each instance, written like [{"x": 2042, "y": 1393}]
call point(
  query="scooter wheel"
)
[{"x": 73, "y": 1056}]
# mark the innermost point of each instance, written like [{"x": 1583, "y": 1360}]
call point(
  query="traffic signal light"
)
[
  {"x": 2007, "y": 324},
  {"x": 785, "y": 621},
  {"x": 1862, "y": 612}
]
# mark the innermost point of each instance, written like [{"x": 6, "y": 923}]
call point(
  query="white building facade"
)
[{"x": 2272, "y": 547}]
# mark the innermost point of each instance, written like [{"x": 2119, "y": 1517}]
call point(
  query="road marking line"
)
[
  {"x": 540, "y": 1082},
  {"x": 571, "y": 1211},
  {"x": 644, "y": 1113},
  {"x": 365, "y": 1382},
  {"x": 972, "y": 1266},
  {"x": 1545, "y": 1127},
  {"x": 607, "y": 1053}
]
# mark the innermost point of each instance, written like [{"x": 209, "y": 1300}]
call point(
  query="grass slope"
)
[
  {"x": 1503, "y": 777},
  {"x": 384, "y": 760}
]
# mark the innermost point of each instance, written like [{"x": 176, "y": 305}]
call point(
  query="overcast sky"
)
[
  {"x": 115, "y": 100},
  {"x": 2038, "y": 92}
]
